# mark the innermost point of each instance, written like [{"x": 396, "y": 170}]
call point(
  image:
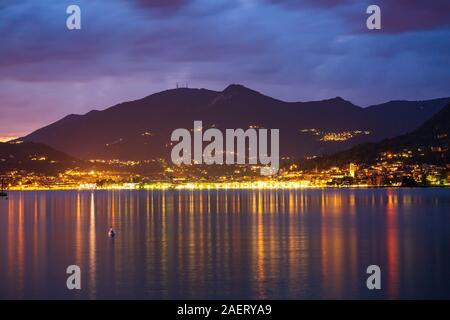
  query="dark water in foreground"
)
[{"x": 283, "y": 244}]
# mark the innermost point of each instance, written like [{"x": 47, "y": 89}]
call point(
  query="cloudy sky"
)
[{"x": 295, "y": 50}]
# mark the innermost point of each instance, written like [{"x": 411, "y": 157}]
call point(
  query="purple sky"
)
[{"x": 289, "y": 49}]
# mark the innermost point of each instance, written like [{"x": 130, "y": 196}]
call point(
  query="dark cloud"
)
[
  {"x": 161, "y": 5},
  {"x": 293, "y": 50},
  {"x": 310, "y": 3},
  {"x": 6, "y": 3},
  {"x": 397, "y": 15},
  {"x": 414, "y": 15}
]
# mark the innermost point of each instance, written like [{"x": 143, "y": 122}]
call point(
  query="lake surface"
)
[{"x": 236, "y": 244}]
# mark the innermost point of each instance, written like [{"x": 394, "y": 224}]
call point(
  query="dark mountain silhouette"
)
[
  {"x": 141, "y": 129},
  {"x": 429, "y": 144},
  {"x": 34, "y": 157}
]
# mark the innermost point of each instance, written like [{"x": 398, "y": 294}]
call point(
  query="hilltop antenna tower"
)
[{"x": 182, "y": 84}]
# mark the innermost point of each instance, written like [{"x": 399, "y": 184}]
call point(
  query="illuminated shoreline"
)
[{"x": 257, "y": 185}]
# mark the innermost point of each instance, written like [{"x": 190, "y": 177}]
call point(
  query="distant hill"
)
[
  {"x": 141, "y": 129},
  {"x": 34, "y": 157},
  {"x": 428, "y": 144}
]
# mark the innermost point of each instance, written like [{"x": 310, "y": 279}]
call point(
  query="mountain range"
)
[
  {"x": 34, "y": 157},
  {"x": 429, "y": 144},
  {"x": 141, "y": 129}
]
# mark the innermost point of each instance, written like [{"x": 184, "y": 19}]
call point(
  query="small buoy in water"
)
[{"x": 111, "y": 232}]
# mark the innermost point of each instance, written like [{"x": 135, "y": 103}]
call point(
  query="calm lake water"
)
[{"x": 278, "y": 244}]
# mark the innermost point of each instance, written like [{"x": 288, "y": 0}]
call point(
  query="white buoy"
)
[{"x": 111, "y": 232}]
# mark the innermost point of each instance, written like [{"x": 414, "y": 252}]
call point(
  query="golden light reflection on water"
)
[
  {"x": 92, "y": 247},
  {"x": 209, "y": 244},
  {"x": 392, "y": 243}
]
